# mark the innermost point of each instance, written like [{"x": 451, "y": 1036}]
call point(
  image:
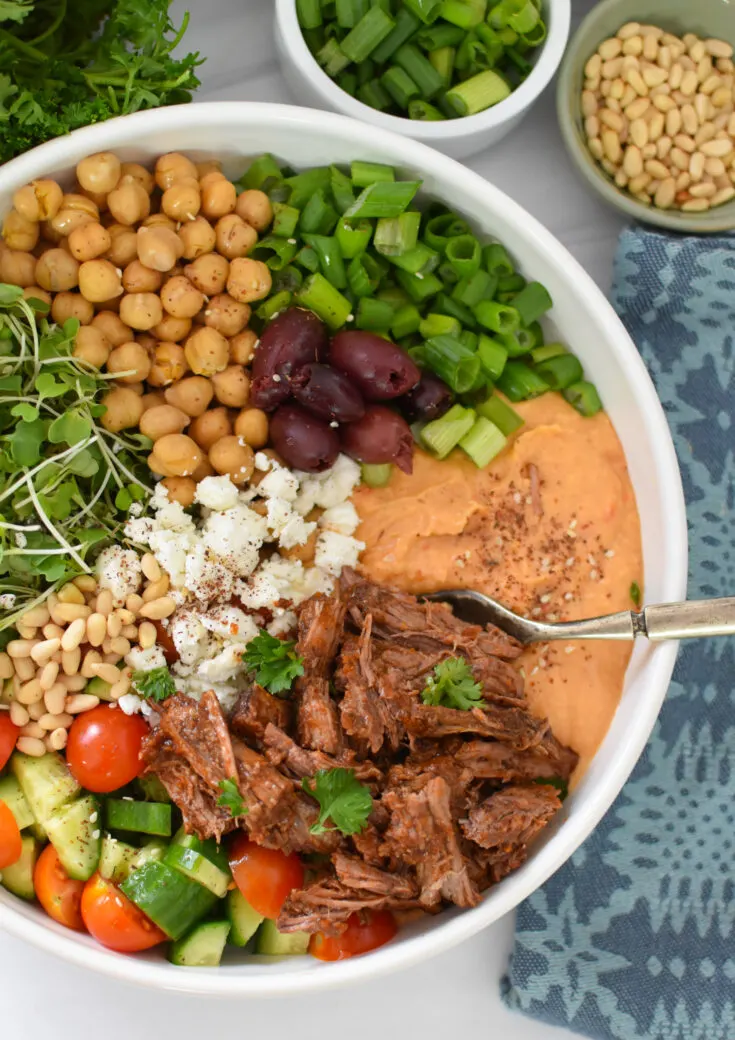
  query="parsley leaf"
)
[
  {"x": 230, "y": 798},
  {"x": 155, "y": 685},
  {"x": 274, "y": 662},
  {"x": 342, "y": 799},
  {"x": 452, "y": 685}
]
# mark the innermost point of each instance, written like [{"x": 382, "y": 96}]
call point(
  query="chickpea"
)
[
  {"x": 305, "y": 553},
  {"x": 141, "y": 310},
  {"x": 35, "y": 292},
  {"x": 163, "y": 419},
  {"x": 147, "y": 342},
  {"x": 197, "y": 237},
  {"x": 252, "y": 426},
  {"x": 99, "y": 173},
  {"x": 207, "y": 351},
  {"x": 39, "y": 200},
  {"x": 242, "y": 347},
  {"x": 159, "y": 248},
  {"x": 181, "y": 490},
  {"x": 232, "y": 386},
  {"x": 89, "y": 241},
  {"x": 57, "y": 271},
  {"x": 131, "y": 358},
  {"x": 71, "y": 305},
  {"x": 109, "y": 305},
  {"x": 182, "y": 200},
  {"x": 137, "y": 388},
  {"x": 171, "y": 329},
  {"x": 204, "y": 469},
  {"x": 113, "y": 328},
  {"x": 219, "y": 195},
  {"x": 140, "y": 174},
  {"x": 255, "y": 209},
  {"x": 177, "y": 455},
  {"x": 248, "y": 280},
  {"x": 137, "y": 278},
  {"x": 169, "y": 364},
  {"x": 18, "y": 268},
  {"x": 91, "y": 345},
  {"x": 192, "y": 395},
  {"x": 210, "y": 427},
  {"x": 180, "y": 298},
  {"x": 152, "y": 400},
  {"x": 226, "y": 315},
  {"x": 208, "y": 166},
  {"x": 99, "y": 280},
  {"x": 124, "y": 247},
  {"x": 124, "y": 409},
  {"x": 129, "y": 202},
  {"x": 20, "y": 233},
  {"x": 172, "y": 167},
  {"x": 157, "y": 220},
  {"x": 81, "y": 204},
  {"x": 65, "y": 221},
  {"x": 208, "y": 273},
  {"x": 232, "y": 456},
  {"x": 234, "y": 236}
]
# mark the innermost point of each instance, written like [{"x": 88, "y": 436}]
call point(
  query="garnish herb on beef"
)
[
  {"x": 155, "y": 685},
  {"x": 407, "y": 758}
]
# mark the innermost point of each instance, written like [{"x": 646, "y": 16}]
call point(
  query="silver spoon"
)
[{"x": 691, "y": 620}]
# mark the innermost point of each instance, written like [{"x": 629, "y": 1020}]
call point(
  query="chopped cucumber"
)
[
  {"x": 46, "y": 783},
  {"x": 280, "y": 944},
  {"x": 18, "y": 878},
  {"x": 194, "y": 865},
  {"x": 152, "y": 852},
  {"x": 116, "y": 859},
  {"x": 172, "y": 901},
  {"x": 244, "y": 920},
  {"x": 142, "y": 817},
  {"x": 202, "y": 947},
  {"x": 152, "y": 789},
  {"x": 74, "y": 831},
  {"x": 209, "y": 849},
  {"x": 99, "y": 688},
  {"x": 11, "y": 794}
]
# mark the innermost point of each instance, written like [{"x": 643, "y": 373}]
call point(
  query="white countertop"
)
[{"x": 452, "y": 995}]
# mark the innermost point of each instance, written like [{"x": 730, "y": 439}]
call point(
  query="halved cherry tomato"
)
[
  {"x": 365, "y": 931},
  {"x": 103, "y": 750},
  {"x": 9, "y": 733},
  {"x": 56, "y": 892},
  {"x": 10, "y": 844},
  {"x": 264, "y": 876},
  {"x": 114, "y": 921}
]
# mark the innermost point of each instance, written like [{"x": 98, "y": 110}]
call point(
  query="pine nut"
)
[
  {"x": 609, "y": 167},
  {"x": 108, "y": 672},
  {"x": 673, "y": 122},
  {"x": 656, "y": 169},
  {"x": 120, "y": 645},
  {"x": 80, "y": 702},
  {"x": 637, "y": 184},
  {"x": 160, "y": 588},
  {"x": 621, "y": 178},
  {"x": 664, "y": 197},
  {"x": 70, "y": 661},
  {"x": 18, "y": 714},
  {"x": 717, "y": 148},
  {"x": 664, "y": 57},
  {"x": 6, "y": 667},
  {"x": 91, "y": 658},
  {"x": 18, "y": 648},
  {"x": 70, "y": 594},
  {"x": 148, "y": 562},
  {"x": 130, "y": 632},
  {"x": 719, "y": 48},
  {"x": 721, "y": 97},
  {"x": 87, "y": 583},
  {"x": 655, "y": 77},
  {"x": 111, "y": 659},
  {"x": 74, "y": 683},
  {"x": 114, "y": 626},
  {"x": 711, "y": 84},
  {"x": 633, "y": 46},
  {"x": 96, "y": 629},
  {"x": 65, "y": 613},
  {"x": 637, "y": 82},
  {"x": 705, "y": 133},
  {"x": 702, "y": 107},
  {"x": 629, "y": 29},
  {"x": 676, "y": 74},
  {"x": 120, "y": 688},
  {"x": 639, "y": 133},
  {"x": 610, "y": 48},
  {"x": 612, "y": 102},
  {"x": 685, "y": 142},
  {"x": 629, "y": 96},
  {"x": 696, "y": 166},
  {"x": 55, "y": 698},
  {"x": 650, "y": 47},
  {"x": 48, "y": 675},
  {"x": 696, "y": 206},
  {"x": 45, "y": 650},
  {"x": 592, "y": 126},
  {"x": 165, "y": 606},
  {"x": 147, "y": 635},
  {"x": 30, "y": 692},
  {"x": 36, "y": 710},
  {"x": 723, "y": 195},
  {"x": 731, "y": 125},
  {"x": 663, "y": 102},
  {"x": 31, "y": 746},
  {"x": 26, "y": 631},
  {"x": 704, "y": 68},
  {"x": 32, "y": 729},
  {"x": 633, "y": 161},
  {"x": 74, "y": 635},
  {"x": 126, "y": 616},
  {"x": 36, "y": 617},
  {"x": 134, "y": 602},
  {"x": 593, "y": 66},
  {"x": 663, "y": 147},
  {"x": 638, "y": 108},
  {"x": 680, "y": 159},
  {"x": 25, "y": 669},
  {"x": 697, "y": 51},
  {"x": 104, "y": 602},
  {"x": 52, "y": 631},
  {"x": 612, "y": 69},
  {"x": 56, "y": 741},
  {"x": 683, "y": 181},
  {"x": 595, "y": 146},
  {"x": 51, "y": 722}
]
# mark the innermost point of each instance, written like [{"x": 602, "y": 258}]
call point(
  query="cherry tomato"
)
[
  {"x": 9, "y": 733},
  {"x": 114, "y": 921},
  {"x": 103, "y": 750},
  {"x": 264, "y": 876},
  {"x": 366, "y": 931},
  {"x": 10, "y": 844},
  {"x": 56, "y": 892}
]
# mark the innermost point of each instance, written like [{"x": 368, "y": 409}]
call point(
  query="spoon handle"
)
[{"x": 691, "y": 620}]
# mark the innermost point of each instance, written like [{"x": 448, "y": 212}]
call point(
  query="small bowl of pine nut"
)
[{"x": 646, "y": 106}]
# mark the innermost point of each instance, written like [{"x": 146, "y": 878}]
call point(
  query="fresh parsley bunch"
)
[
  {"x": 343, "y": 801},
  {"x": 452, "y": 685}
]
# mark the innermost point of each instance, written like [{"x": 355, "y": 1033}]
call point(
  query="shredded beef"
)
[
  {"x": 282, "y": 751},
  {"x": 365, "y": 714},
  {"x": 511, "y": 817},
  {"x": 321, "y": 620},
  {"x": 257, "y": 709},
  {"x": 355, "y": 873},
  {"x": 318, "y": 721},
  {"x": 198, "y": 732},
  {"x": 326, "y": 906}
]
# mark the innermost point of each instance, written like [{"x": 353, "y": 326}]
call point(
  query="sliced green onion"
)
[
  {"x": 516, "y": 343},
  {"x": 446, "y": 305},
  {"x": 395, "y": 236},
  {"x": 315, "y": 38},
  {"x": 348, "y": 82},
  {"x": 464, "y": 254},
  {"x": 493, "y": 356},
  {"x": 536, "y": 36},
  {"x": 523, "y": 65},
  {"x": 353, "y": 238},
  {"x": 423, "y": 110},
  {"x": 366, "y": 71},
  {"x": 496, "y": 261},
  {"x": 480, "y": 92},
  {"x": 561, "y": 372},
  {"x": 318, "y": 217},
  {"x": 519, "y": 382},
  {"x": 269, "y": 308},
  {"x": 285, "y": 219},
  {"x": 349, "y": 12},
  {"x": 376, "y": 475},
  {"x": 318, "y": 295},
  {"x": 290, "y": 279},
  {"x": 307, "y": 258},
  {"x": 309, "y": 13},
  {"x": 449, "y": 359},
  {"x": 341, "y": 189},
  {"x": 419, "y": 68},
  {"x": 406, "y": 321},
  {"x": 483, "y": 442},
  {"x": 395, "y": 296},
  {"x": 373, "y": 315},
  {"x": 492, "y": 43},
  {"x": 332, "y": 58},
  {"x": 383, "y": 199},
  {"x": 497, "y": 317},
  {"x": 364, "y": 275},
  {"x": 276, "y": 252},
  {"x": 303, "y": 185},
  {"x": 464, "y": 13},
  {"x": 375, "y": 95},
  {"x": 369, "y": 32},
  {"x": 400, "y": 86},
  {"x": 537, "y": 332},
  {"x": 406, "y": 25},
  {"x": 469, "y": 339},
  {"x": 385, "y": 5},
  {"x": 439, "y": 325},
  {"x": 260, "y": 170},
  {"x": 448, "y": 275},
  {"x": 420, "y": 260},
  {"x": 441, "y": 435},
  {"x": 545, "y": 353},
  {"x": 419, "y": 286},
  {"x": 475, "y": 287},
  {"x": 497, "y": 411},
  {"x": 435, "y": 37},
  {"x": 525, "y": 18},
  {"x": 511, "y": 283},
  {"x": 364, "y": 174},
  {"x": 331, "y": 261},
  {"x": 443, "y": 59},
  {"x": 440, "y": 230},
  {"x": 532, "y": 301},
  {"x": 427, "y": 10},
  {"x": 584, "y": 397}
]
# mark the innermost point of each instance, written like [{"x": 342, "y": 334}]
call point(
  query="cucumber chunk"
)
[
  {"x": 46, "y": 783},
  {"x": 244, "y": 920},
  {"x": 11, "y": 794},
  {"x": 152, "y": 789},
  {"x": 172, "y": 901},
  {"x": 152, "y": 852},
  {"x": 273, "y": 943},
  {"x": 202, "y": 947},
  {"x": 18, "y": 878},
  {"x": 74, "y": 831},
  {"x": 142, "y": 817},
  {"x": 193, "y": 865},
  {"x": 99, "y": 688},
  {"x": 116, "y": 859},
  {"x": 209, "y": 849}
]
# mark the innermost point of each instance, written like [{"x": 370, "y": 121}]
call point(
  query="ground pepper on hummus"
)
[{"x": 550, "y": 528}]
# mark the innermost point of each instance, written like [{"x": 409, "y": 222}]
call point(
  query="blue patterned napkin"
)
[{"x": 634, "y": 938}]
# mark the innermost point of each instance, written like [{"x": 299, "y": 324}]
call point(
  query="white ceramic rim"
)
[
  {"x": 456, "y": 927},
  {"x": 520, "y": 100}
]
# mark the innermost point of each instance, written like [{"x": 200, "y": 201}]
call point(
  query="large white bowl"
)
[
  {"x": 460, "y": 138},
  {"x": 585, "y": 320}
]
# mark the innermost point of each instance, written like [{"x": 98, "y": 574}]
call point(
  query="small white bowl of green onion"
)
[{"x": 455, "y": 74}]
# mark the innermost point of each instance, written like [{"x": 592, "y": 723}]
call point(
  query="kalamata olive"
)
[
  {"x": 380, "y": 369},
  {"x": 429, "y": 399},
  {"x": 294, "y": 339},
  {"x": 328, "y": 393},
  {"x": 380, "y": 436},
  {"x": 303, "y": 441}
]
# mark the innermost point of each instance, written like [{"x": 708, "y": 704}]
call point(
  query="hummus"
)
[{"x": 550, "y": 528}]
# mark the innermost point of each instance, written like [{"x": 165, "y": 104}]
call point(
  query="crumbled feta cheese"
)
[
  {"x": 146, "y": 660},
  {"x": 262, "y": 461},
  {"x": 216, "y": 493},
  {"x": 335, "y": 551},
  {"x": 20, "y": 539},
  {"x": 283, "y": 623},
  {"x": 189, "y": 636},
  {"x": 279, "y": 514},
  {"x": 229, "y": 622},
  {"x": 7, "y": 601},
  {"x": 130, "y": 703},
  {"x": 342, "y": 518},
  {"x": 295, "y": 531},
  {"x": 136, "y": 509},
  {"x": 119, "y": 571},
  {"x": 225, "y": 665},
  {"x": 279, "y": 483},
  {"x": 237, "y": 535}
]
